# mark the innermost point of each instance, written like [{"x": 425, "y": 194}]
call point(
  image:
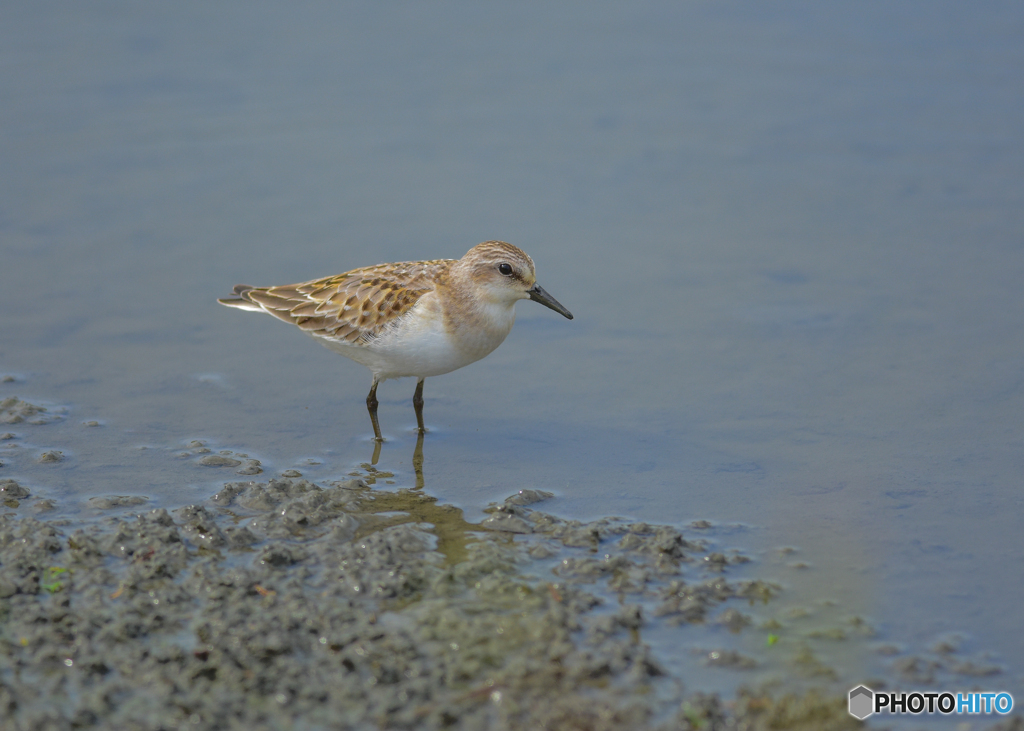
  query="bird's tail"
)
[{"x": 241, "y": 300}]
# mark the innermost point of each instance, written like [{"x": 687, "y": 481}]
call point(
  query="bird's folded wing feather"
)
[{"x": 355, "y": 306}]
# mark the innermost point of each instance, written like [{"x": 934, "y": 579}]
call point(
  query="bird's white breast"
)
[{"x": 420, "y": 343}]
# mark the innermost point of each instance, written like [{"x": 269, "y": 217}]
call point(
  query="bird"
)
[{"x": 409, "y": 319}]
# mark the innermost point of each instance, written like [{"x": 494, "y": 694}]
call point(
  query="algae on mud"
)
[{"x": 287, "y": 604}]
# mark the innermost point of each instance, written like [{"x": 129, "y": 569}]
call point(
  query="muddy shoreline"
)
[
  {"x": 287, "y": 604},
  {"x": 284, "y": 603}
]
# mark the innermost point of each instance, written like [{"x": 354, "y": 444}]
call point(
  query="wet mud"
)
[{"x": 286, "y": 603}]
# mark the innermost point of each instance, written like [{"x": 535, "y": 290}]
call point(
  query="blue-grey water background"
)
[{"x": 792, "y": 235}]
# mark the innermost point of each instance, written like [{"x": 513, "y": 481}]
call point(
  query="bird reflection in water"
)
[
  {"x": 454, "y": 533},
  {"x": 417, "y": 458}
]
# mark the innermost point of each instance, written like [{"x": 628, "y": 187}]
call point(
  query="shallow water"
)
[{"x": 791, "y": 238}]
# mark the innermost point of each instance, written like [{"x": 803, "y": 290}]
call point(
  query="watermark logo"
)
[
  {"x": 865, "y": 702},
  {"x": 861, "y": 702}
]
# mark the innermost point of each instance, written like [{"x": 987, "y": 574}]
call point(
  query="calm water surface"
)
[{"x": 793, "y": 240}]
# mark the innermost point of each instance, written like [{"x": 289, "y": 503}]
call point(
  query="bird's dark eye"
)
[{"x": 505, "y": 269}]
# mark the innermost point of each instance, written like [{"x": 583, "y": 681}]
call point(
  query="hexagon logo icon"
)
[{"x": 862, "y": 701}]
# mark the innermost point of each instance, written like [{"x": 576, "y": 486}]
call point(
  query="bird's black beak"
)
[{"x": 537, "y": 294}]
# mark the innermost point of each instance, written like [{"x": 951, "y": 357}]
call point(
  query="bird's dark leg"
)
[
  {"x": 371, "y": 406},
  {"x": 417, "y": 402},
  {"x": 417, "y": 461}
]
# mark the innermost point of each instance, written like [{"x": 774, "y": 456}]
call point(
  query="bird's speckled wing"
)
[{"x": 353, "y": 307}]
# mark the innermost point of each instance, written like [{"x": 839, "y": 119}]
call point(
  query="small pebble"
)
[
  {"x": 529, "y": 497},
  {"x": 107, "y": 502},
  {"x": 507, "y": 523},
  {"x": 252, "y": 467},
  {"x": 44, "y": 506},
  {"x": 11, "y": 489},
  {"x": 216, "y": 460}
]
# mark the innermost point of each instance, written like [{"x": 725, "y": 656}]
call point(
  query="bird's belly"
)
[{"x": 419, "y": 349}]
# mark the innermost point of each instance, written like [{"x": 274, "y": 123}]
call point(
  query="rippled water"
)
[{"x": 791, "y": 238}]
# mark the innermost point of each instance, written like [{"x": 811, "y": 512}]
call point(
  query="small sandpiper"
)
[{"x": 416, "y": 318}]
